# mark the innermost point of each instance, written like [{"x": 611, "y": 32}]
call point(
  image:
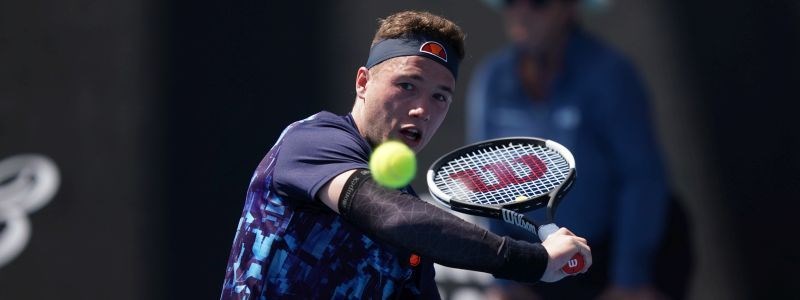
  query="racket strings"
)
[{"x": 503, "y": 174}]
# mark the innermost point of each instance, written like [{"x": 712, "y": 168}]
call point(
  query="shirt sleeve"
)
[
  {"x": 313, "y": 154},
  {"x": 642, "y": 196}
]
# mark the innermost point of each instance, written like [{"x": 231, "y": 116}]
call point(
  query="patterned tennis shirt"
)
[{"x": 289, "y": 245}]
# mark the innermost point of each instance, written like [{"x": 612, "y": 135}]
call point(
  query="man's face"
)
[
  {"x": 405, "y": 98},
  {"x": 534, "y": 25}
]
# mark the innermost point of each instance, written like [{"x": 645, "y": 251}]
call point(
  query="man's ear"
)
[{"x": 362, "y": 77}]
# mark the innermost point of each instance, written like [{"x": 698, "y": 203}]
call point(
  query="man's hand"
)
[{"x": 561, "y": 246}]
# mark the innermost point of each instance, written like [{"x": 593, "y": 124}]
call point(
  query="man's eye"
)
[
  {"x": 406, "y": 86},
  {"x": 443, "y": 98}
]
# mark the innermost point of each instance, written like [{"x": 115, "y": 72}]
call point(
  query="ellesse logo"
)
[{"x": 434, "y": 49}]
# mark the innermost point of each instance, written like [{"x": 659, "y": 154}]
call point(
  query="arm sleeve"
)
[
  {"x": 642, "y": 195},
  {"x": 405, "y": 221},
  {"x": 312, "y": 154}
]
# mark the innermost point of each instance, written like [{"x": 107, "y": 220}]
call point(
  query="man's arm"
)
[
  {"x": 408, "y": 222},
  {"x": 329, "y": 194}
]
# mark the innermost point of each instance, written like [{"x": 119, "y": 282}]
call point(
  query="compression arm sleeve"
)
[{"x": 405, "y": 221}]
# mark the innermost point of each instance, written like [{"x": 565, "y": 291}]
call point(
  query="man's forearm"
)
[{"x": 408, "y": 222}]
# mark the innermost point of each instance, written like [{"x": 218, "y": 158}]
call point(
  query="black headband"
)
[{"x": 417, "y": 45}]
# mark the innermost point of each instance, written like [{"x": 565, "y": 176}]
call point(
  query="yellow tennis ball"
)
[{"x": 393, "y": 164}]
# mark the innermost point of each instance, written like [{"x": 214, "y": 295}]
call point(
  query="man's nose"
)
[{"x": 420, "y": 110}]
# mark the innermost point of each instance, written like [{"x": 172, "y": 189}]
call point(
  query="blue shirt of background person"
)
[{"x": 595, "y": 105}]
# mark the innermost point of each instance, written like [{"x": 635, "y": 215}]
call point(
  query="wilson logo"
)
[
  {"x": 572, "y": 263},
  {"x": 504, "y": 173},
  {"x": 518, "y": 219}
]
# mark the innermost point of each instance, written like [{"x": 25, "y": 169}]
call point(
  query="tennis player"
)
[{"x": 316, "y": 226}]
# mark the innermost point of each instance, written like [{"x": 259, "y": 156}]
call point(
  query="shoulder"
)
[
  {"x": 324, "y": 120},
  {"x": 496, "y": 60},
  {"x": 315, "y": 150},
  {"x": 592, "y": 54},
  {"x": 323, "y": 127},
  {"x": 324, "y": 137},
  {"x": 492, "y": 72}
]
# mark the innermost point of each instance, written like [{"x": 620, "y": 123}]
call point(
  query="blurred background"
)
[{"x": 158, "y": 112}]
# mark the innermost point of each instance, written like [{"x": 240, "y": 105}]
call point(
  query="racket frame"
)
[
  {"x": 512, "y": 212},
  {"x": 551, "y": 199}
]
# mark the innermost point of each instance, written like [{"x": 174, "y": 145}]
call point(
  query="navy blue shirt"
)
[
  {"x": 597, "y": 108},
  {"x": 290, "y": 245}
]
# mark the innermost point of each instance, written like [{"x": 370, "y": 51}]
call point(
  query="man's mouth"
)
[{"x": 411, "y": 134}]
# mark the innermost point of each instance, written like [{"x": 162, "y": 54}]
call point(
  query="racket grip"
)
[
  {"x": 546, "y": 230},
  {"x": 576, "y": 263}
]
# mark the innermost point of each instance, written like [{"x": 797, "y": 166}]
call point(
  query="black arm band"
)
[{"x": 405, "y": 221}]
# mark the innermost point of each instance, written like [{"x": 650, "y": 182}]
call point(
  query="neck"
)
[
  {"x": 550, "y": 50},
  {"x": 537, "y": 67},
  {"x": 358, "y": 117}
]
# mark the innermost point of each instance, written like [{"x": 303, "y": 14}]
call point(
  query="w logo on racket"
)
[
  {"x": 504, "y": 172},
  {"x": 572, "y": 263}
]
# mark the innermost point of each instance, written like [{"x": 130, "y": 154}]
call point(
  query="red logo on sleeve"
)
[{"x": 414, "y": 260}]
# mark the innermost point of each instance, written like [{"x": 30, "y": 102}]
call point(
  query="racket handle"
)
[
  {"x": 546, "y": 230},
  {"x": 576, "y": 263}
]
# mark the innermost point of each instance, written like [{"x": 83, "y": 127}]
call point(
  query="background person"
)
[{"x": 557, "y": 81}]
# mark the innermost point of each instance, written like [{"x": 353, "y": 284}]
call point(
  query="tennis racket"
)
[{"x": 503, "y": 178}]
